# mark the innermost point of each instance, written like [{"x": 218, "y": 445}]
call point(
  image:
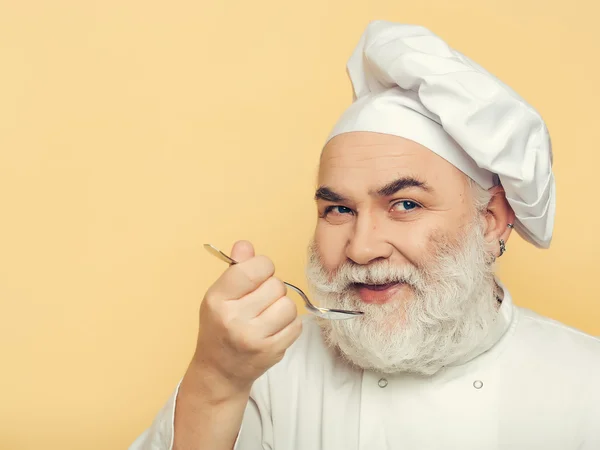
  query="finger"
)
[
  {"x": 242, "y": 251},
  {"x": 253, "y": 304},
  {"x": 243, "y": 278},
  {"x": 282, "y": 340},
  {"x": 276, "y": 317}
]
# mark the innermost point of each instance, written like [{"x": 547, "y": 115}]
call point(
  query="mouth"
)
[{"x": 378, "y": 293}]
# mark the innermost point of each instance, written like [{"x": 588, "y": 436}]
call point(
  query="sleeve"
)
[
  {"x": 257, "y": 426},
  {"x": 255, "y": 432},
  {"x": 591, "y": 438},
  {"x": 160, "y": 434}
]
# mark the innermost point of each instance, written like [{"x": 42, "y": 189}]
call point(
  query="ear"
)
[{"x": 498, "y": 216}]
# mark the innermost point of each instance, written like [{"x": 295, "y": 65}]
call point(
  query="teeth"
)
[{"x": 387, "y": 283}]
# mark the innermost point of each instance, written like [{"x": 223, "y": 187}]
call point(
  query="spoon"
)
[{"x": 325, "y": 313}]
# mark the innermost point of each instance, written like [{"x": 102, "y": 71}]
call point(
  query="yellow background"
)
[{"x": 132, "y": 132}]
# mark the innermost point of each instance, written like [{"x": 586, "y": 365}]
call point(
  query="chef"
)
[{"x": 422, "y": 182}]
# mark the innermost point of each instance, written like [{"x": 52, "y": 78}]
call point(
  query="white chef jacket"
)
[{"x": 534, "y": 384}]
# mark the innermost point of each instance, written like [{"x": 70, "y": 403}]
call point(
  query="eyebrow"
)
[
  {"x": 400, "y": 184},
  {"x": 329, "y": 195}
]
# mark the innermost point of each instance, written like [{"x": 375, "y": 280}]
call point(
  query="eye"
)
[
  {"x": 405, "y": 206},
  {"x": 337, "y": 209},
  {"x": 337, "y": 214}
]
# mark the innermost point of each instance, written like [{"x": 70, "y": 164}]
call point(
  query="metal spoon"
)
[{"x": 325, "y": 313}]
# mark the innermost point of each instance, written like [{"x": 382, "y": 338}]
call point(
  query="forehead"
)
[{"x": 365, "y": 160}]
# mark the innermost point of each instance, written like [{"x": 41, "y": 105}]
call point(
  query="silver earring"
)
[
  {"x": 502, "y": 247},
  {"x": 510, "y": 225}
]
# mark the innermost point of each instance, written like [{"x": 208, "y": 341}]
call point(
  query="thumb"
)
[{"x": 242, "y": 251}]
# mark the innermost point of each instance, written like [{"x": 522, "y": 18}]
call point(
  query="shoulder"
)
[
  {"x": 545, "y": 328},
  {"x": 546, "y": 339},
  {"x": 555, "y": 365}
]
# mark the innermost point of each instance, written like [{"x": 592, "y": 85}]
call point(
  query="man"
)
[{"x": 421, "y": 183}]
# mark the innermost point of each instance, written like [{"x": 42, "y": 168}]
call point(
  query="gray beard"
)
[{"x": 450, "y": 309}]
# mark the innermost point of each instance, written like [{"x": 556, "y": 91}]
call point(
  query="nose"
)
[{"x": 368, "y": 243}]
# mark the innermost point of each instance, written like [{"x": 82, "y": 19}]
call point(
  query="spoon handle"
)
[{"x": 219, "y": 254}]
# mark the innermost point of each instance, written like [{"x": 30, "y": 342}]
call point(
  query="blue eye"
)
[
  {"x": 338, "y": 210},
  {"x": 405, "y": 205},
  {"x": 337, "y": 214}
]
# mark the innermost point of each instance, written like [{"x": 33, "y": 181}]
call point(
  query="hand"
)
[{"x": 246, "y": 321}]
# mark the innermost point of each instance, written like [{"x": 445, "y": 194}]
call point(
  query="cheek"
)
[
  {"x": 421, "y": 244},
  {"x": 331, "y": 244},
  {"x": 418, "y": 245},
  {"x": 413, "y": 246},
  {"x": 439, "y": 241}
]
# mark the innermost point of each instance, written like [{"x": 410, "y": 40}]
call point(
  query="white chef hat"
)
[{"x": 408, "y": 82}]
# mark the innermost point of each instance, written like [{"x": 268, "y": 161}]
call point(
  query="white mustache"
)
[{"x": 378, "y": 273}]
